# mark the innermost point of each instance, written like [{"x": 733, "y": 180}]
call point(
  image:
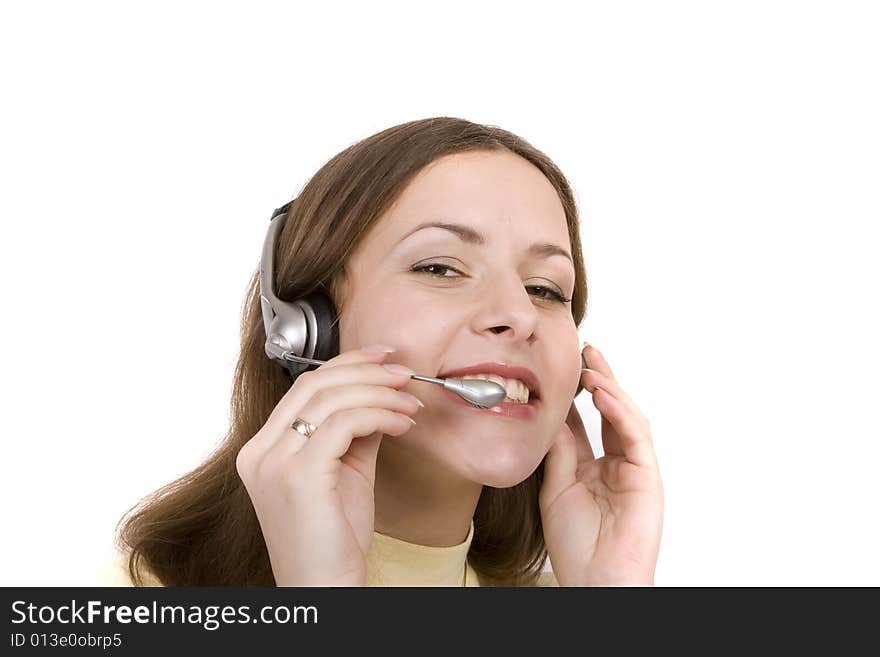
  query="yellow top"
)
[{"x": 390, "y": 562}]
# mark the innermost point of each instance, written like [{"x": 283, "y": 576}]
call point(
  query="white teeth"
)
[{"x": 517, "y": 391}]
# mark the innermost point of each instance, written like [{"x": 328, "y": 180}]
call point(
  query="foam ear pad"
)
[{"x": 327, "y": 342}]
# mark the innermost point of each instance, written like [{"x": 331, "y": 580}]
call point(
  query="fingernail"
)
[
  {"x": 407, "y": 395},
  {"x": 410, "y": 419},
  {"x": 586, "y": 344},
  {"x": 398, "y": 369},
  {"x": 381, "y": 348}
]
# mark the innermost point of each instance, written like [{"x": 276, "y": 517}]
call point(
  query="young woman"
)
[{"x": 447, "y": 248}]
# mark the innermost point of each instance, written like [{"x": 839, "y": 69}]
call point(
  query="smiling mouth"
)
[
  {"x": 524, "y": 395},
  {"x": 516, "y": 402},
  {"x": 519, "y": 398},
  {"x": 533, "y": 401},
  {"x": 505, "y": 409}
]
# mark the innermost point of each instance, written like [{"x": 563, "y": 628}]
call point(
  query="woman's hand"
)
[
  {"x": 603, "y": 517},
  {"x": 314, "y": 496}
]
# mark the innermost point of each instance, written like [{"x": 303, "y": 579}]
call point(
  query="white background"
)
[{"x": 725, "y": 162}]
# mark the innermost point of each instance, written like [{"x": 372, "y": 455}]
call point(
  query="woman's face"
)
[{"x": 486, "y": 300}]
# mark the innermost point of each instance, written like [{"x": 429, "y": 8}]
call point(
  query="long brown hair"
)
[{"x": 202, "y": 530}]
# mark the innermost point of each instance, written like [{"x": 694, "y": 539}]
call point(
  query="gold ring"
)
[{"x": 303, "y": 427}]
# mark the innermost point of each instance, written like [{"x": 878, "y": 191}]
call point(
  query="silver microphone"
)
[{"x": 476, "y": 392}]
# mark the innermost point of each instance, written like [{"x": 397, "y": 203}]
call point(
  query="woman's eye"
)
[
  {"x": 553, "y": 295},
  {"x": 435, "y": 266}
]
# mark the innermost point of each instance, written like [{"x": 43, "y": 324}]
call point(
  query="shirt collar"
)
[{"x": 394, "y": 562}]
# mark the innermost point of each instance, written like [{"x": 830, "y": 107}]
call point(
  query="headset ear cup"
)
[{"x": 327, "y": 340}]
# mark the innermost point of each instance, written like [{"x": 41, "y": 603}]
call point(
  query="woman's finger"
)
[
  {"x": 370, "y": 353},
  {"x": 625, "y": 430},
  {"x": 296, "y": 396},
  {"x": 337, "y": 398},
  {"x": 351, "y": 367},
  {"x": 330, "y": 441},
  {"x": 599, "y": 373},
  {"x": 582, "y": 441},
  {"x": 595, "y": 360},
  {"x": 591, "y": 379},
  {"x": 621, "y": 435}
]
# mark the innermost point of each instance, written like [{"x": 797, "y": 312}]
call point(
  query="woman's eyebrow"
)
[{"x": 471, "y": 236}]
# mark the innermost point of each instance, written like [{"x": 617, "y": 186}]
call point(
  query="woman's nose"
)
[{"x": 507, "y": 304}]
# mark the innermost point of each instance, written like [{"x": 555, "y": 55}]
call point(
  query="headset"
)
[{"x": 307, "y": 326}]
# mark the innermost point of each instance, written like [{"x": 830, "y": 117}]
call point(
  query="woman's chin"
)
[
  {"x": 497, "y": 453},
  {"x": 503, "y": 466},
  {"x": 502, "y": 479}
]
